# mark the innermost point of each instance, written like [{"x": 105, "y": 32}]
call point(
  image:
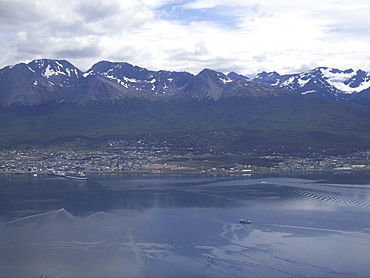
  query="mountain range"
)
[
  {"x": 53, "y": 103},
  {"x": 322, "y": 82},
  {"x": 58, "y": 80}
]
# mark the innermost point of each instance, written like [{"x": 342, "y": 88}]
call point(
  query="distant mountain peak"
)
[
  {"x": 265, "y": 74},
  {"x": 235, "y": 75},
  {"x": 207, "y": 71},
  {"x": 49, "y": 68},
  {"x": 215, "y": 76}
]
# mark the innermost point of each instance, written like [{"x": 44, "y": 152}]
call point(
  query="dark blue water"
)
[{"x": 125, "y": 226}]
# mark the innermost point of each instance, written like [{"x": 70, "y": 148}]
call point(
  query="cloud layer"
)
[{"x": 226, "y": 35}]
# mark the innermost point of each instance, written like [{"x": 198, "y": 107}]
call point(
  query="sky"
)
[{"x": 247, "y": 37}]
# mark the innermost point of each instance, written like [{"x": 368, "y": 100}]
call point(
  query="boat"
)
[
  {"x": 75, "y": 175},
  {"x": 245, "y": 221},
  {"x": 58, "y": 173}
]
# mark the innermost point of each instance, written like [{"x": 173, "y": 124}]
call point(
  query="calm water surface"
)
[{"x": 125, "y": 226}]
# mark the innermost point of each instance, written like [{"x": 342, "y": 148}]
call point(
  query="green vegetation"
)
[
  {"x": 235, "y": 125},
  {"x": 225, "y": 161}
]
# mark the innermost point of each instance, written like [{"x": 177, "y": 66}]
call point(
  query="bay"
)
[{"x": 140, "y": 226}]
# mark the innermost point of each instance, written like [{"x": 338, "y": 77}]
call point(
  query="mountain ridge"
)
[{"x": 58, "y": 80}]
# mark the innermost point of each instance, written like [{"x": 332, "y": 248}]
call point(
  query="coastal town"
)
[{"x": 143, "y": 157}]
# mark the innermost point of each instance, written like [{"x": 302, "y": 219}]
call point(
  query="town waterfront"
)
[{"x": 155, "y": 225}]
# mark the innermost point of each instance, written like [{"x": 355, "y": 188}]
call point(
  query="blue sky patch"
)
[{"x": 220, "y": 15}]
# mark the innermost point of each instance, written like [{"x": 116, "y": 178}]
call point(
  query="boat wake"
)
[
  {"x": 60, "y": 216},
  {"x": 324, "y": 197},
  {"x": 324, "y": 192}
]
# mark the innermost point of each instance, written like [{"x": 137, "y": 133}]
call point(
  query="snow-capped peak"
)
[
  {"x": 320, "y": 81},
  {"x": 49, "y": 68}
]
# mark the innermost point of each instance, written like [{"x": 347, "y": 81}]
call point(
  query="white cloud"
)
[{"x": 224, "y": 35}]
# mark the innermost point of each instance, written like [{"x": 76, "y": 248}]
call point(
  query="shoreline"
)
[
  {"x": 147, "y": 162},
  {"x": 197, "y": 173}
]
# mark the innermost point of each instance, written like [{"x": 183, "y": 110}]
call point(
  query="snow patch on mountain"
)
[
  {"x": 302, "y": 81},
  {"x": 363, "y": 86},
  {"x": 338, "y": 79},
  {"x": 289, "y": 81},
  {"x": 86, "y": 74},
  {"x": 227, "y": 80},
  {"x": 132, "y": 80},
  {"x": 278, "y": 81},
  {"x": 308, "y": 92},
  {"x": 70, "y": 71},
  {"x": 109, "y": 74},
  {"x": 49, "y": 71}
]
